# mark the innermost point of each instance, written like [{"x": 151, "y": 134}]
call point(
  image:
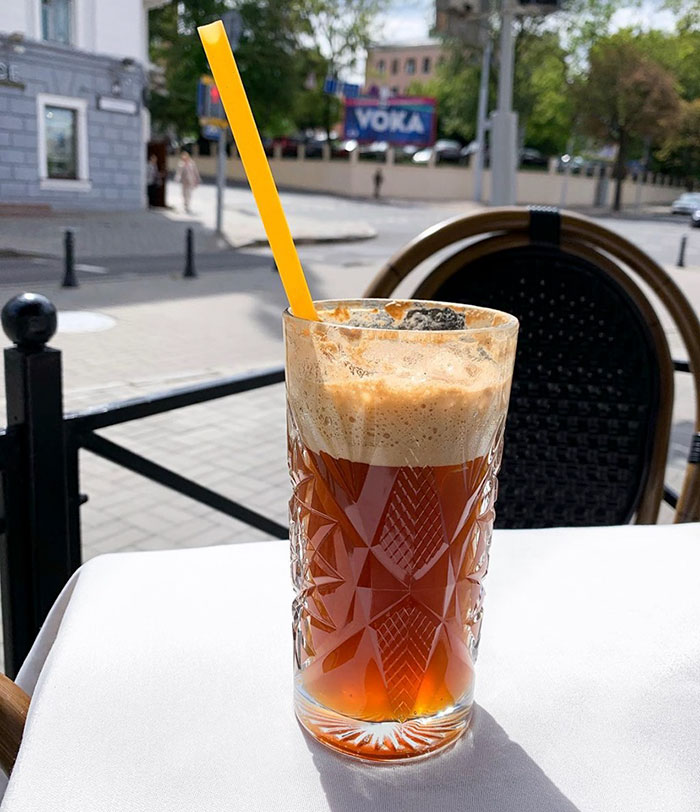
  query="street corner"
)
[{"x": 304, "y": 231}]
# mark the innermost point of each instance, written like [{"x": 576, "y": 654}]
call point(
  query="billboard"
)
[{"x": 398, "y": 120}]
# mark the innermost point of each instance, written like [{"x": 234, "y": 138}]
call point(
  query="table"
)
[{"x": 162, "y": 681}]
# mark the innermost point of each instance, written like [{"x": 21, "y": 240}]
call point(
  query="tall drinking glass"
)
[{"x": 395, "y": 439}]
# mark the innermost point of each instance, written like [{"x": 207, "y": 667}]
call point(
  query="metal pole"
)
[
  {"x": 481, "y": 119},
  {"x": 70, "y": 280},
  {"x": 504, "y": 128},
  {"x": 681, "y": 253},
  {"x": 567, "y": 173},
  {"x": 220, "y": 180},
  {"x": 190, "y": 270},
  {"x": 38, "y": 557}
]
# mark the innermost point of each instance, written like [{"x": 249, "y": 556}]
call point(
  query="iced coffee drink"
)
[{"x": 396, "y": 412}]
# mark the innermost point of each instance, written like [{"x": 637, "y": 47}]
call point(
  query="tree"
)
[
  {"x": 681, "y": 150},
  {"x": 625, "y": 96},
  {"x": 341, "y": 30},
  {"x": 267, "y": 56},
  {"x": 541, "y": 92}
]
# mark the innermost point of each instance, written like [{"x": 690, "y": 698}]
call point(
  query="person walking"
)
[
  {"x": 188, "y": 175},
  {"x": 154, "y": 179},
  {"x": 378, "y": 179}
]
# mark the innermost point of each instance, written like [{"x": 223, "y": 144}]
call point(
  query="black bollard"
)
[
  {"x": 681, "y": 253},
  {"x": 70, "y": 280},
  {"x": 190, "y": 271}
]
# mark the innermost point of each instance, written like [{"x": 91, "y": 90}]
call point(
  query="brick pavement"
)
[{"x": 160, "y": 232}]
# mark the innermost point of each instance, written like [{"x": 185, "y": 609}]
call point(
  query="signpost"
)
[
  {"x": 398, "y": 121},
  {"x": 212, "y": 118}
]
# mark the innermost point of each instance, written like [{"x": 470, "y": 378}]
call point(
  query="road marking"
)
[{"x": 90, "y": 268}]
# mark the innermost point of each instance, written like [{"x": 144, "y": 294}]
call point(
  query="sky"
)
[{"x": 411, "y": 20}]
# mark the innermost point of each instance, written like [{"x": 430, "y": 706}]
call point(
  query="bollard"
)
[
  {"x": 681, "y": 253},
  {"x": 190, "y": 271},
  {"x": 70, "y": 280}
]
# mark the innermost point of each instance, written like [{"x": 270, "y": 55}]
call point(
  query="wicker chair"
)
[{"x": 590, "y": 414}]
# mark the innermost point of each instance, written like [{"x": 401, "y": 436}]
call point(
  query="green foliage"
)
[
  {"x": 342, "y": 29},
  {"x": 456, "y": 89},
  {"x": 625, "y": 95},
  {"x": 680, "y": 152},
  {"x": 541, "y": 93},
  {"x": 282, "y": 45}
]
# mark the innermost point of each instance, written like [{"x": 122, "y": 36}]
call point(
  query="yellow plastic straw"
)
[{"x": 250, "y": 148}]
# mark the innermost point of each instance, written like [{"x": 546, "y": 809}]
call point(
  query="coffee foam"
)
[{"x": 397, "y": 399}]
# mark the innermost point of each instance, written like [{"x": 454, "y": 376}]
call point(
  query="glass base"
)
[{"x": 382, "y": 741}]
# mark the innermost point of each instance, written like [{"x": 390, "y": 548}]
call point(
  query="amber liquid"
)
[{"x": 388, "y": 564}]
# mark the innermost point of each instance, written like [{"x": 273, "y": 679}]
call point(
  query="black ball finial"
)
[{"x": 29, "y": 320}]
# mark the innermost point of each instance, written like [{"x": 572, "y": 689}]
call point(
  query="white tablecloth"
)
[{"x": 164, "y": 683}]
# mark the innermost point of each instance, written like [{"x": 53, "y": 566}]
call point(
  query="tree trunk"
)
[{"x": 619, "y": 170}]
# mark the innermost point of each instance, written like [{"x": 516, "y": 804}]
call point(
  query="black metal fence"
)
[{"x": 40, "y": 496}]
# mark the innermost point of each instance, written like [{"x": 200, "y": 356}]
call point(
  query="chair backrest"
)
[{"x": 590, "y": 413}]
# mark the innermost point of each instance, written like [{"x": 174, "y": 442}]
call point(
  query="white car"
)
[{"x": 687, "y": 203}]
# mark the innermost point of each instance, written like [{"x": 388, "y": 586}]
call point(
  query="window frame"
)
[
  {"x": 72, "y": 28},
  {"x": 381, "y": 67},
  {"x": 410, "y": 66},
  {"x": 79, "y": 106},
  {"x": 426, "y": 64},
  {"x": 395, "y": 66}
]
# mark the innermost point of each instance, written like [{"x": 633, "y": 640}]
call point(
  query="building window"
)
[
  {"x": 394, "y": 66},
  {"x": 61, "y": 135},
  {"x": 394, "y": 91},
  {"x": 63, "y": 152},
  {"x": 56, "y": 21},
  {"x": 381, "y": 67},
  {"x": 426, "y": 64},
  {"x": 410, "y": 66}
]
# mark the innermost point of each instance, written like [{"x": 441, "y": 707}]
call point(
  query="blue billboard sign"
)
[{"x": 398, "y": 120}]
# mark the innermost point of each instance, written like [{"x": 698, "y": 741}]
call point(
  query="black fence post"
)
[
  {"x": 681, "y": 252},
  {"x": 37, "y": 556},
  {"x": 190, "y": 271},
  {"x": 70, "y": 280}
]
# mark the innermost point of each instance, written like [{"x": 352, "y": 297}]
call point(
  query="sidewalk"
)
[
  {"x": 160, "y": 233},
  {"x": 164, "y": 332}
]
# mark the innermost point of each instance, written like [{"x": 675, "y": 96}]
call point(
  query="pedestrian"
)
[
  {"x": 188, "y": 174},
  {"x": 378, "y": 180},
  {"x": 154, "y": 181}
]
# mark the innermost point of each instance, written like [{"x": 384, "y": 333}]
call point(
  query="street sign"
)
[
  {"x": 233, "y": 25},
  {"x": 350, "y": 91},
  {"x": 398, "y": 120},
  {"x": 209, "y": 107},
  {"x": 330, "y": 85},
  {"x": 210, "y": 132}
]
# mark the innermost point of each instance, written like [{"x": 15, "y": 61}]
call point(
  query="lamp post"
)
[{"x": 504, "y": 122}]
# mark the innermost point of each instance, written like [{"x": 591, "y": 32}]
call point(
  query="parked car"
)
[
  {"x": 466, "y": 154},
  {"x": 687, "y": 203},
  {"x": 376, "y": 151},
  {"x": 574, "y": 164},
  {"x": 446, "y": 151},
  {"x": 695, "y": 219},
  {"x": 342, "y": 149},
  {"x": 533, "y": 158}
]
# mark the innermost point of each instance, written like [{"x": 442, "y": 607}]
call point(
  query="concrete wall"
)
[
  {"x": 115, "y": 141},
  {"x": 433, "y": 183}
]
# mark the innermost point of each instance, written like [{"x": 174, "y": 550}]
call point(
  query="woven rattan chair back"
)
[{"x": 590, "y": 413}]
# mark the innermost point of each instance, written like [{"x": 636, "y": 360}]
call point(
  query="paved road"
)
[{"x": 396, "y": 223}]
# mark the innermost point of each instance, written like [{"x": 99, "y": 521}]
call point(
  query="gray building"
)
[{"x": 73, "y": 127}]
